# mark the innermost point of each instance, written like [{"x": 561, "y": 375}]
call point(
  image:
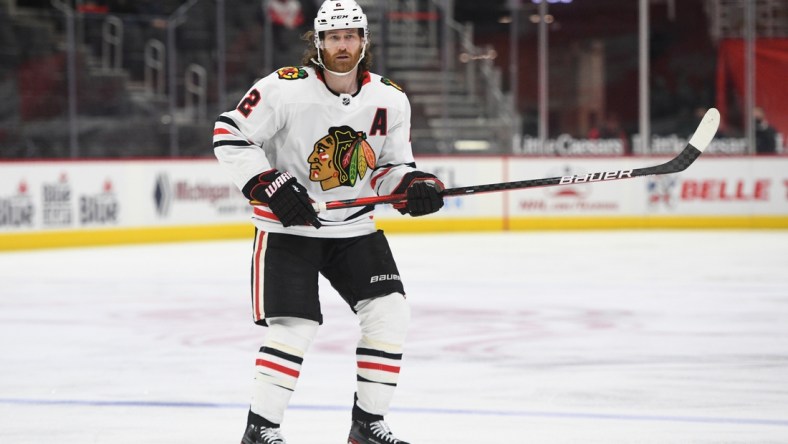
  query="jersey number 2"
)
[{"x": 249, "y": 102}]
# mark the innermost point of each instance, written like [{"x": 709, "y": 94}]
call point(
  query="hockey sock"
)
[
  {"x": 384, "y": 323},
  {"x": 278, "y": 366}
]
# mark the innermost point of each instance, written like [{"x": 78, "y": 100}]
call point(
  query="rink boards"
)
[{"x": 65, "y": 203}]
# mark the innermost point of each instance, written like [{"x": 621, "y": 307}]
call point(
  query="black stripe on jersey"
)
[
  {"x": 378, "y": 353},
  {"x": 231, "y": 142},
  {"x": 228, "y": 121},
  {"x": 392, "y": 165},
  {"x": 361, "y": 212},
  {"x": 281, "y": 354},
  {"x": 360, "y": 379}
]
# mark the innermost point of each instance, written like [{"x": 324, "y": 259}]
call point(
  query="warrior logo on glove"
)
[{"x": 340, "y": 158}]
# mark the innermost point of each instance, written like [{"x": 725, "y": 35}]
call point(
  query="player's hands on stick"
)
[
  {"x": 287, "y": 199},
  {"x": 423, "y": 192}
]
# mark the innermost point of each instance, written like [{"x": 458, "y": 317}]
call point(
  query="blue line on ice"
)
[{"x": 408, "y": 410}]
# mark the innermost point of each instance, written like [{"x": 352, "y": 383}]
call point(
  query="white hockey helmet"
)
[{"x": 340, "y": 14}]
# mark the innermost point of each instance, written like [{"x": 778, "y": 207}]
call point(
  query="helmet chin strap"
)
[{"x": 319, "y": 61}]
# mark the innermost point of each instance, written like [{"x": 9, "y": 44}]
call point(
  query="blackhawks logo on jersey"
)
[
  {"x": 389, "y": 82},
  {"x": 292, "y": 73},
  {"x": 340, "y": 158}
]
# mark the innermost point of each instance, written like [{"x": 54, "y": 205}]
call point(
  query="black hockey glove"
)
[
  {"x": 423, "y": 191},
  {"x": 287, "y": 199}
]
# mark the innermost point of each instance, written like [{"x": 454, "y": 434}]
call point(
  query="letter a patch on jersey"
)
[{"x": 379, "y": 123}]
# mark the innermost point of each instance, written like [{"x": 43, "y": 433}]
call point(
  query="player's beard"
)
[{"x": 342, "y": 61}]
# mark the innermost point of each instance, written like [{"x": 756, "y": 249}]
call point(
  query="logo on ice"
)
[{"x": 596, "y": 177}]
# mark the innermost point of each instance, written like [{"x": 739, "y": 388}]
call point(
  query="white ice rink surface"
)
[{"x": 559, "y": 337}]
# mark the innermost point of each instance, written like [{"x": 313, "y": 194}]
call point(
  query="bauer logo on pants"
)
[{"x": 384, "y": 277}]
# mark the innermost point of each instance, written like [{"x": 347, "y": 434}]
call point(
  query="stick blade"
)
[{"x": 706, "y": 130}]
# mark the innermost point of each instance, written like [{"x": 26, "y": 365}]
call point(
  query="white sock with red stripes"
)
[
  {"x": 384, "y": 324},
  {"x": 278, "y": 365}
]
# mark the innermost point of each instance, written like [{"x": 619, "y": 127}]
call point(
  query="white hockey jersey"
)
[{"x": 338, "y": 146}]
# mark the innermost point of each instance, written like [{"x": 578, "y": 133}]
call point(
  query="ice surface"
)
[{"x": 557, "y": 337}]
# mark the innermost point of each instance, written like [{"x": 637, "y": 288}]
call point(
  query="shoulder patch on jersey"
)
[
  {"x": 292, "y": 73},
  {"x": 389, "y": 82}
]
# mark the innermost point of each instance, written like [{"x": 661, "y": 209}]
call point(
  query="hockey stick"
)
[{"x": 697, "y": 143}]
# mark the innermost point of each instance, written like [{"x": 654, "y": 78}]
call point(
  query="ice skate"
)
[
  {"x": 265, "y": 435},
  {"x": 376, "y": 432}
]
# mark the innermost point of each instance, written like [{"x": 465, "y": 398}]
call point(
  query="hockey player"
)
[{"x": 327, "y": 130}]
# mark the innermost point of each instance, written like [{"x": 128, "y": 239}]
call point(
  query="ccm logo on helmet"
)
[
  {"x": 384, "y": 277},
  {"x": 339, "y": 17}
]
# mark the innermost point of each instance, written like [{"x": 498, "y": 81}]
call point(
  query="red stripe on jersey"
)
[
  {"x": 376, "y": 366},
  {"x": 218, "y": 131},
  {"x": 376, "y": 178},
  {"x": 262, "y": 213},
  {"x": 277, "y": 367}
]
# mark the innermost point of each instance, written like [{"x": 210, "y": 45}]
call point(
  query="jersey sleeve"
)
[
  {"x": 240, "y": 135},
  {"x": 396, "y": 157}
]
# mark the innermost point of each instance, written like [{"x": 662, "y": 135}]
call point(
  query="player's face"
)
[
  {"x": 321, "y": 161},
  {"x": 341, "y": 49}
]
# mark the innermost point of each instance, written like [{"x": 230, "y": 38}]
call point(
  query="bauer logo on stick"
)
[{"x": 596, "y": 177}]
